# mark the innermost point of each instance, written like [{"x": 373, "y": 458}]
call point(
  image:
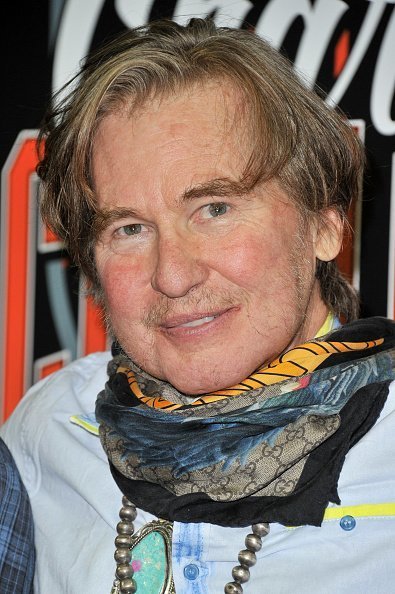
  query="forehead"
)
[{"x": 202, "y": 128}]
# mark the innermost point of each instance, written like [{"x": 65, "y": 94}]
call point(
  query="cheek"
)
[
  {"x": 123, "y": 283},
  {"x": 246, "y": 259}
]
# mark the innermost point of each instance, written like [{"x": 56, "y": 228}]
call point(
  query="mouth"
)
[
  {"x": 198, "y": 322},
  {"x": 194, "y": 322}
]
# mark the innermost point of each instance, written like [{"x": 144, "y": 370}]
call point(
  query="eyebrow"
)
[
  {"x": 220, "y": 187},
  {"x": 104, "y": 218}
]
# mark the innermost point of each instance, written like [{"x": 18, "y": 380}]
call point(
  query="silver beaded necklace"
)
[{"x": 124, "y": 542}]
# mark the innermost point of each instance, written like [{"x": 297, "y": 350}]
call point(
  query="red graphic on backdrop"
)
[
  {"x": 341, "y": 52},
  {"x": 20, "y": 242},
  {"x": 16, "y": 280}
]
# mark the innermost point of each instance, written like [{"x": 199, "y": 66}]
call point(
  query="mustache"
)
[{"x": 205, "y": 301}]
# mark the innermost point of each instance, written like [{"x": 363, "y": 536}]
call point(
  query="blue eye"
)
[
  {"x": 217, "y": 209},
  {"x": 133, "y": 229}
]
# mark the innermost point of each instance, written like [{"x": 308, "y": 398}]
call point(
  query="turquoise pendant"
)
[{"x": 151, "y": 559}]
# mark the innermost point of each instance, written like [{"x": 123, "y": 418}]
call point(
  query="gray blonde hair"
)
[{"x": 306, "y": 146}]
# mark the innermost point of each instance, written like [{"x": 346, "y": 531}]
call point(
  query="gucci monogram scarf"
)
[{"x": 268, "y": 449}]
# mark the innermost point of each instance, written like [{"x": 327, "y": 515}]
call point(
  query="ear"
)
[{"x": 329, "y": 235}]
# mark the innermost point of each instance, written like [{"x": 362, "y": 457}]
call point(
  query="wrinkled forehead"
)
[
  {"x": 225, "y": 103},
  {"x": 206, "y": 118},
  {"x": 213, "y": 118}
]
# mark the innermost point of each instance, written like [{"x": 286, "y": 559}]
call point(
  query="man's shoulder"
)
[
  {"x": 80, "y": 376},
  {"x": 39, "y": 432},
  {"x": 78, "y": 382},
  {"x": 69, "y": 391},
  {"x": 79, "y": 370},
  {"x": 84, "y": 369}
]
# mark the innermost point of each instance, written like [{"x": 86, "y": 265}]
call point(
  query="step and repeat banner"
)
[{"x": 346, "y": 47}]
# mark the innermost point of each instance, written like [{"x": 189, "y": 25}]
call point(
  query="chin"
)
[
  {"x": 190, "y": 384},
  {"x": 196, "y": 385}
]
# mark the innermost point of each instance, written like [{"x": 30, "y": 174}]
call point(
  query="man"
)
[{"x": 203, "y": 190}]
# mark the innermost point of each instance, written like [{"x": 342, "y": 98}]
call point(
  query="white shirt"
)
[{"x": 76, "y": 503}]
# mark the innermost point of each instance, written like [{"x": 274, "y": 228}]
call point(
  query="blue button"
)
[
  {"x": 348, "y": 523},
  {"x": 191, "y": 571}
]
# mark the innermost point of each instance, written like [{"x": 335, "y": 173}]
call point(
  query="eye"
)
[
  {"x": 216, "y": 209},
  {"x": 132, "y": 229}
]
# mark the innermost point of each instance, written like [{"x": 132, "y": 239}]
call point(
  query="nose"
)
[{"x": 179, "y": 267}]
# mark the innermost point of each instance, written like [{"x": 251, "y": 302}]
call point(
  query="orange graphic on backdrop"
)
[{"x": 19, "y": 215}]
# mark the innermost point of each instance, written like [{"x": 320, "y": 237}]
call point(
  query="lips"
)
[
  {"x": 192, "y": 320},
  {"x": 198, "y": 322}
]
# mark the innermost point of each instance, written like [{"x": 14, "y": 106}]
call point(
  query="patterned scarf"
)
[{"x": 268, "y": 449}]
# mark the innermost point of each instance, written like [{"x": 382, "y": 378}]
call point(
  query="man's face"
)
[{"x": 201, "y": 284}]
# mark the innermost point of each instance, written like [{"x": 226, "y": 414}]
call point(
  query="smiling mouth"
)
[
  {"x": 198, "y": 322},
  {"x": 192, "y": 321}
]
